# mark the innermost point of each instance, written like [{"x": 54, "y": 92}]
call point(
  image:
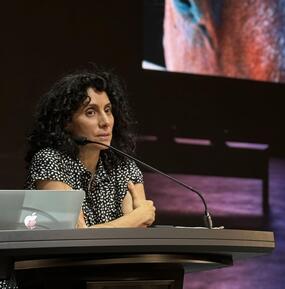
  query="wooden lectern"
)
[{"x": 122, "y": 258}]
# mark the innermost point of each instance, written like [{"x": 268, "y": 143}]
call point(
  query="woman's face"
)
[{"x": 94, "y": 119}]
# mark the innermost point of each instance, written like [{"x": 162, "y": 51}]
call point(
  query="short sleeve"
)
[
  {"x": 136, "y": 175},
  {"x": 48, "y": 164}
]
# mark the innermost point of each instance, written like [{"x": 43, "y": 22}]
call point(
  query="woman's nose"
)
[{"x": 104, "y": 120}]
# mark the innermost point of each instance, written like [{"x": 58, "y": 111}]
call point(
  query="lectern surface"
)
[
  {"x": 129, "y": 254},
  {"x": 238, "y": 243}
]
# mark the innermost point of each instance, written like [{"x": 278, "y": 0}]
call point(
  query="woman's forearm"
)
[{"x": 130, "y": 220}]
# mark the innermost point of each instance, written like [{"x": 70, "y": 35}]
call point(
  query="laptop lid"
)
[{"x": 39, "y": 209}]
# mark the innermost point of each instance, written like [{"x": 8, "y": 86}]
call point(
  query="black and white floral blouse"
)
[{"x": 104, "y": 190}]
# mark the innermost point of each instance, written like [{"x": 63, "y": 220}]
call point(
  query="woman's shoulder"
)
[
  {"x": 54, "y": 158},
  {"x": 51, "y": 154},
  {"x": 47, "y": 153},
  {"x": 129, "y": 168},
  {"x": 52, "y": 164}
]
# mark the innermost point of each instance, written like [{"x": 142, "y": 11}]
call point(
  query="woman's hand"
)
[
  {"x": 81, "y": 222},
  {"x": 146, "y": 213}
]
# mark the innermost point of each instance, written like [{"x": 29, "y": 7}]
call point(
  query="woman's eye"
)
[
  {"x": 108, "y": 110},
  {"x": 90, "y": 112}
]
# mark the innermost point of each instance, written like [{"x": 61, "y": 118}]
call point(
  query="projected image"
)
[{"x": 240, "y": 39}]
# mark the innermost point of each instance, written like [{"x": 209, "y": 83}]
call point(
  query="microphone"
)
[{"x": 207, "y": 216}]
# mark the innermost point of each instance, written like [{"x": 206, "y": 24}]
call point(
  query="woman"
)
[{"x": 91, "y": 105}]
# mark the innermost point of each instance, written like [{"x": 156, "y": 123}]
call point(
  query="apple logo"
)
[{"x": 30, "y": 221}]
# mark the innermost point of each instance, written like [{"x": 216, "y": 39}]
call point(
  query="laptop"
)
[{"x": 39, "y": 209}]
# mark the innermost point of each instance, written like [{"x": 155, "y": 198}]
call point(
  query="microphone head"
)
[{"x": 80, "y": 140}]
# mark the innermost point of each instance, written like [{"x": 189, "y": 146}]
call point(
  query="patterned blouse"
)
[{"x": 104, "y": 190}]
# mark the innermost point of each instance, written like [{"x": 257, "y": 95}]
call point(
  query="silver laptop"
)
[{"x": 39, "y": 209}]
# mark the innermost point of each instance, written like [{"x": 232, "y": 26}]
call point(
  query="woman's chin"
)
[
  {"x": 104, "y": 144},
  {"x": 101, "y": 147}
]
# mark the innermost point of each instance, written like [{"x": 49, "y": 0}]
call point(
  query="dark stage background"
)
[{"x": 42, "y": 40}]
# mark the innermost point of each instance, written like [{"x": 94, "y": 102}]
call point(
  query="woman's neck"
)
[{"x": 89, "y": 158}]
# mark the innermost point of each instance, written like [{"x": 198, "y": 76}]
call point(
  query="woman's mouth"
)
[{"x": 105, "y": 136}]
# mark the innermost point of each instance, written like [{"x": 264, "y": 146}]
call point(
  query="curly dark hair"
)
[{"x": 56, "y": 108}]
